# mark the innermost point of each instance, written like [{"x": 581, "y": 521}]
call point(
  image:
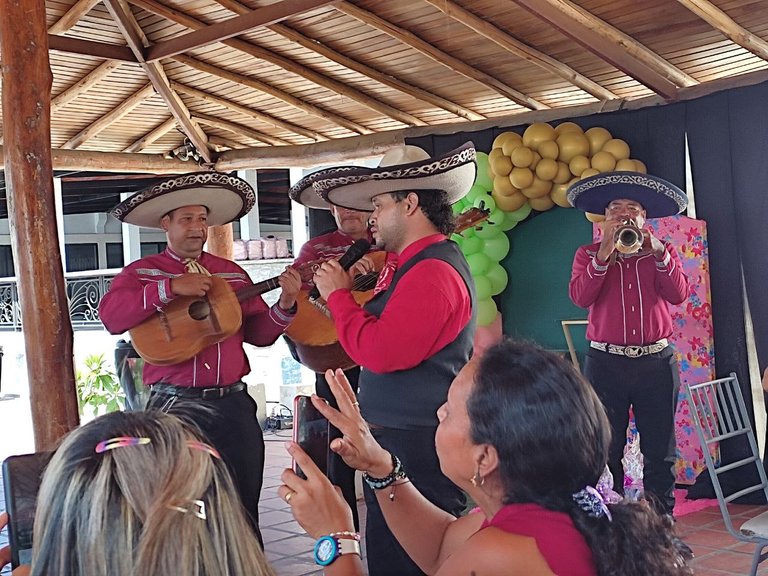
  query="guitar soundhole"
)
[{"x": 199, "y": 310}]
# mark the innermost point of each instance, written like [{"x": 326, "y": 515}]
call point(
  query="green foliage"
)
[{"x": 98, "y": 387}]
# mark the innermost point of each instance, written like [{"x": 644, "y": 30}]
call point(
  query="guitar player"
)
[
  {"x": 184, "y": 207},
  {"x": 351, "y": 225}
]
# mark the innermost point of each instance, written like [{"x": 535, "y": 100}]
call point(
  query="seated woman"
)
[
  {"x": 527, "y": 438},
  {"x": 139, "y": 493}
]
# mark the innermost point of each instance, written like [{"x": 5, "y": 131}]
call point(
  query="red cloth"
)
[
  {"x": 563, "y": 547},
  {"x": 627, "y": 301},
  {"x": 430, "y": 306},
  {"x": 143, "y": 288},
  {"x": 328, "y": 246}
]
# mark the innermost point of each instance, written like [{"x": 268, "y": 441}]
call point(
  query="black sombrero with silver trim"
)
[
  {"x": 226, "y": 197},
  {"x": 658, "y": 197},
  {"x": 402, "y": 168}
]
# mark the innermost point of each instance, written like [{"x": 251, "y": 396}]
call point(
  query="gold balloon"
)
[
  {"x": 563, "y": 173},
  {"x": 572, "y": 144},
  {"x": 546, "y": 169},
  {"x": 537, "y": 133},
  {"x": 499, "y": 141},
  {"x": 594, "y": 217},
  {"x": 558, "y": 195},
  {"x": 510, "y": 144},
  {"x": 578, "y": 164},
  {"x": 510, "y": 203},
  {"x": 597, "y": 136},
  {"x": 568, "y": 127},
  {"x": 502, "y": 185},
  {"x": 537, "y": 189},
  {"x": 603, "y": 162},
  {"x": 626, "y": 165},
  {"x": 589, "y": 172},
  {"x": 541, "y": 204},
  {"x": 641, "y": 167},
  {"x": 522, "y": 157},
  {"x": 494, "y": 153},
  {"x": 521, "y": 177},
  {"x": 548, "y": 149},
  {"x": 617, "y": 148},
  {"x": 502, "y": 165}
]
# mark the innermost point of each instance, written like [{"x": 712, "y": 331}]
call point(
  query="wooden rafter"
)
[
  {"x": 238, "y": 129},
  {"x": 72, "y": 16},
  {"x": 134, "y": 36},
  {"x": 86, "y": 82},
  {"x": 269, "y": 14},
  {"x": 245, "y": 111},
  {"x": 364, "y": 69},
  {"x": 721, "y": 21},
  {"x": 92, "y": 161},
  {"x": 439, "y": 56},
  {"x": 520, "y": 49},
  {"x": 611, "y": 45},
  {"x": 286, "y": 64},
  {"x": 225, "y": 143},
  {"x": 305, "y": 107},
  {"x": 88, "y": 48},
  {"x": 152, "y": 136}
]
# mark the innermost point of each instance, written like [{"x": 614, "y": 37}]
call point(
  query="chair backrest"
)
[{"x": 719, "y": 413}]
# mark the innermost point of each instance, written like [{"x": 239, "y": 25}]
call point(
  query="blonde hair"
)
[{"x": 111, "y": 512}]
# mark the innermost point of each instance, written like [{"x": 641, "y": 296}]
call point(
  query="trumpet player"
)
[{"x": 626, "y": 281}]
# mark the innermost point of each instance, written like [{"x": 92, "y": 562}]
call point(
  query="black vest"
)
[{"x": 410, "y": 398}]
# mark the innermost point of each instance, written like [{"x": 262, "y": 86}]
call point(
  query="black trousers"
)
[
  {"x": 416, "y": 450},
  {"x": 230, "y": 425},
  {"x": 338, "y": 472},
  {"x": 650, "y": 385}
]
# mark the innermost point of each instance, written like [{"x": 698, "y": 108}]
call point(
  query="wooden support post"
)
[
  {"x": 32, "y": 215},
  {"x": 221, "y": 241}
]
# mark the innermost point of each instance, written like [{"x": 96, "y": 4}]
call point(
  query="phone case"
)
[
  {"x": 21, "y": 480},
  {"x": 311, "y": 432}
]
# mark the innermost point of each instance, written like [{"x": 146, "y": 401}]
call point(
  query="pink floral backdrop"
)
[{"x": 692, "y": 339}]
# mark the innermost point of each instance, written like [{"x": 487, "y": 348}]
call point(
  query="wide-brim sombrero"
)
[
  {"x": 658, "y": 197},
  {"x": 404, "y": 168},
  {"x": 304, "y": 192},
  {"x": 226, "y": 197}
]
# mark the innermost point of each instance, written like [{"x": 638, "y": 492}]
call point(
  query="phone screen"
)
[
  {"x": 310, "y": 431},
  {"x": 21, "y": 480}
]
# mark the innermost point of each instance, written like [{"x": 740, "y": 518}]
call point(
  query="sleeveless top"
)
[{"x": 560, "y": 543}]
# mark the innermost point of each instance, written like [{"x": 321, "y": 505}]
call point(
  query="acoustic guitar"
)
[
  {"x": 313, "y": 331},
  {"x": 190, "y": 324}
]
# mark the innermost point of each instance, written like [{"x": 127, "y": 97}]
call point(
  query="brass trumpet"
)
[{"x": 628, "y": 238}]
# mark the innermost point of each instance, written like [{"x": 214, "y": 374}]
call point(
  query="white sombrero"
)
[
  {"x": 403, "y": 168},
  {"x": 304, "y": 193},
  {"x": 658, "y": 197},
  {"x": 226, "y": 197}
]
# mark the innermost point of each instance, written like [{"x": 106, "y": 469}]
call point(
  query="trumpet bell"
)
[{"x": 628, "y": 239}]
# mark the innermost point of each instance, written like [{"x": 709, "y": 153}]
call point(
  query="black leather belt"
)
[{"x": 202, "y": 393}]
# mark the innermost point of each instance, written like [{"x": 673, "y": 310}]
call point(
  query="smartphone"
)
[
  {"x": 21, "y": 481},
  {"x": 310, "y": 431}
]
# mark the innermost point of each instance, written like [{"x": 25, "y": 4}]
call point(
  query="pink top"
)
[{"x": 560, "y": 543}]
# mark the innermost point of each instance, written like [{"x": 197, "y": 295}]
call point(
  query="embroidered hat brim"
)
[
  {"x": 658, "y": 197},
  {"x": 354, "y": 186},
  {"x": 226, "y": 197},
  {"x": 304, "y": 192}
]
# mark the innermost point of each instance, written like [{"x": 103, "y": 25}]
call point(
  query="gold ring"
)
[
  {"x": 356, "y": 404},
  {"x": 288, "y": 497}
]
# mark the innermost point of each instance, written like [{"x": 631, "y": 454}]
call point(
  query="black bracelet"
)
[{"x": 378, "y": 483}]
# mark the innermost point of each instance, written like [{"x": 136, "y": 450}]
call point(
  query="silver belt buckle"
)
[{"x": 633, "y": 351}]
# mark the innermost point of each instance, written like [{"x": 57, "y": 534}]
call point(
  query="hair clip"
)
[
  {"x": 196, "y": 507},
  {"x": 197, "y": 445},
  {"x": 119, "y": 442}
]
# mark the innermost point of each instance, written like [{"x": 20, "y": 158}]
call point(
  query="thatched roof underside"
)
[{"x": 147, "y": 76}]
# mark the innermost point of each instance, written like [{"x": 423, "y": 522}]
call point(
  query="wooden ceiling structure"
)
[{"x": 139, "y": 85}]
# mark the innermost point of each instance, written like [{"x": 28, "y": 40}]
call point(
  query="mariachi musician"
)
[{"x": 184, "y": 207}]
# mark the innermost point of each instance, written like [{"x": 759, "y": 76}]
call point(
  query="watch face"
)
[{"x": 326, "y": 550}]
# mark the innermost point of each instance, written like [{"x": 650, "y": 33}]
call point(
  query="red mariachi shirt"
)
[
  {"x": 144, "y": 287},
  {"x": 328, "y": 246},
  {"x": 430, "y": 306},
  {"x": 627, "y": 301}
]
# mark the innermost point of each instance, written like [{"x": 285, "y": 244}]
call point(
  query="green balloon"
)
[
  {"x": 521, "y": 213},
  {"x": 469, "y": 233},
  {"x": 485, "y": 202},
  {"x": 496, "y": 247},
  {"x": 497, "y": 217},
  {"x": 488, "y": 231},
  {"x": 498, "y": 278},
  {"x": 486, "y": 312},
  {"x": 471, "y": 245},
  {"x": 483, "y": 176},
  {"x": 478, "y": 263},
  {"x": 458, "y": 238},
  {"x": 508, "y": 222},
  {"x": 473, "y": 193},
  {"x": 458, "y": 207},
  {"x": 483, "y": 287}
]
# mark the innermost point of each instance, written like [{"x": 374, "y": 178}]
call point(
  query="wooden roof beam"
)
[
  {"x": 152, "y": 136},
  {"x": 289, "y": 99},
  {"x": 514, "y": 46},
  {"x": 387, "y": 80},
  {"x": 721, "y": 21},
  {"x": 233, "y": 27},
  {"x": 245, "y": 111},
  {"x": 443, "y": 58},
  {"x": 88, "y": 48},
  {"x": 238, "y": 129},
  {"x": 286, "y": 64},
  {"x": 225, "y": 142},
  {"x": 110, "y": 118},
  {"x": 86, "y": 82},
  {"x": 136, "y": 40},
  {"x": 611, "y": 45},
  {"x": 72, "y": 16}
]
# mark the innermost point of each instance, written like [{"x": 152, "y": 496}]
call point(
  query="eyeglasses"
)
[{"x": 631, "y": 208}]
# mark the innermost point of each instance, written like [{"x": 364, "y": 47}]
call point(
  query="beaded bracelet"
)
[{"x": 397, "y": 474}]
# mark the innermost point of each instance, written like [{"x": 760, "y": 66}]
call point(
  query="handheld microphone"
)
[{"x": 352, "y": 255}]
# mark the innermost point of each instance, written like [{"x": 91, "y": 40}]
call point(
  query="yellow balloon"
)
[
  {"x": 572, "y": 144},
  {"x": 501, "y": 166},
  {"x": 521, "y": 177},
  {"x": 589, "y": 172},
  {"x": 535, "y": 161},
  {"x": 548, "y": 149},
  {"x": 541, "y": 204},
  {"x": 617, "y": 148},
  {"x": 546, "y": 169},
  {"x": 568, "y": 127},
  {"x": 597, "y": 137},
  {"x": 522, "y": 157},
  {"x": 578, "y": 164},
  {"x": 558, "y": 195},
  {"x": 563, "y": 173},
  {"x": 594, "y": 217},
  {"x": 538, "y": 189},
  {"x": 495, "y": 153},
  {"x": 510, "y": 144},
  {"x": 537, "y": 133},
  {"x": 502, "y": 185},
  {"x": 641, "y": 167},
  {"x": 626, "y": 165},
  {"x": 603, "y": 162},
  {"x": 499, "y": 141},
  {"x": 509, "y": 203}
]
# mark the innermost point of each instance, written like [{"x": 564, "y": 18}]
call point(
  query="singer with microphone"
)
[
  {"x": 416, "y": 332},
  {"x": 348, "y": 244},
  {"x": 627, "y": 281}
]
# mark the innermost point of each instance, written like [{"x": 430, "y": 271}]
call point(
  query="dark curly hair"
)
[
  {"x": 552, "y": 436},
  {"x": 434, "y": 204}
]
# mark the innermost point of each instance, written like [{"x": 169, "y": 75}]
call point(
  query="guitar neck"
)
[{"x": 258, "y": 288}]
